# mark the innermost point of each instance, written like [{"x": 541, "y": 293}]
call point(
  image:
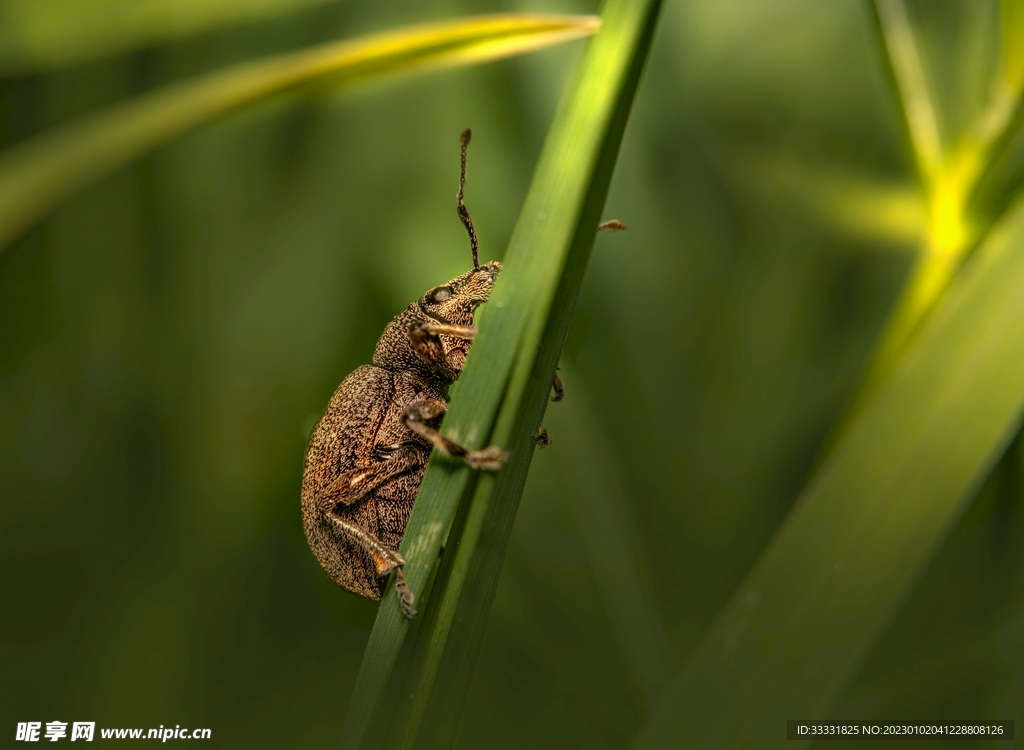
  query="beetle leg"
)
[
  {"x": 405, "y": 595},
  {"x": 559, "y": 388},
  {"x": 448, "y": 329},
  {"x": 426, "y": 345},
  {"x": 611, "y": 226},
  {"x": 426, "y": 342},
  {"x": 416, "y": 418},
  {"x": 384, "y": 558},
  {"x": 354, "y": 484}
]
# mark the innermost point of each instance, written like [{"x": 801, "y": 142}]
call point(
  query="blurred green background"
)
[{"x": 170, "y": 335}]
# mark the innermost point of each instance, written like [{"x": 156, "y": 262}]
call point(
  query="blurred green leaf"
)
[
  {"x": 888, "y": 214},
  {"x": 956, "y": 166},
  {"x": 907, "y": 70},
  {"x": 616, "y": 555},
  {"x": 37, "y": 174},
  {"x": 1012, "y": 47},
  {"x": 38, "y": 35},
  {"x": 943, "y": 181},
  {"x": 798, "y": 628},
  {"x": 964, "y": 618},
  {"x": 1003, "y": 171},
  {"x": 502, "y": 393}
]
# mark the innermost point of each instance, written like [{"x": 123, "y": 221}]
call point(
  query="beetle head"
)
[
  {"x": 453, "y": 303},
  {"x": 456, "y": 301}
]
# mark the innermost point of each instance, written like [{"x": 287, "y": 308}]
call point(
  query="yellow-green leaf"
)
[
  {"x": 37, "y": 174},
  {"x": 47, "y": 34}
]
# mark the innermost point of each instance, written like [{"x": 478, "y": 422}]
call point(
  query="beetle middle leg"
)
[
  {"x": 352, "y": 485},
  {"x": 559, "y": 388},
  {"x": 419, "y": 414}
]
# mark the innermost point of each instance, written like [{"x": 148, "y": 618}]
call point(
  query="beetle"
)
[{"x": 367, "y": 454}]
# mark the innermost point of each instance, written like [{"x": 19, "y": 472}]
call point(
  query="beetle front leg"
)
[
  {"x": 417, "y": 416},
  {"x": 426, "y": 342},
  {"x": 434, "y": 328}
]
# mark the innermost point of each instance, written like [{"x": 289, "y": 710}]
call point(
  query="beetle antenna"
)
[{"x": 461, "y": 208}]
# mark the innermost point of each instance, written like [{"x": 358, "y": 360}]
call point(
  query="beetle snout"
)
[{"x": 490, "y": 271}]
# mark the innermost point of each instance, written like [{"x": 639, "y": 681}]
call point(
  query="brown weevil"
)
[{"x": 367, "y": 455}]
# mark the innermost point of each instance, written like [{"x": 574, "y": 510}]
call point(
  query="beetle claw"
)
[{"x": 405, "y": 595}]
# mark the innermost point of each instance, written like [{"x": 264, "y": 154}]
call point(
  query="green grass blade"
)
[
  {"x": 797, "y": 629},
  {"x": 37, "y": 35},
  {"x": 545, "y": 265},
  {"x": 507, "y": 379},
  {"x": 37, "y": 174},
  {"x": 436, "y": 504}
]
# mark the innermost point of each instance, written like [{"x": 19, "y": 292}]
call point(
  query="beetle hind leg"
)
[
  {"x": 405, "y": 595},
  {"x": 384, "y": 559}
]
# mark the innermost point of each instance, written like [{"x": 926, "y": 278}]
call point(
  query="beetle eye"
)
[{"x": 440, "y": 295}]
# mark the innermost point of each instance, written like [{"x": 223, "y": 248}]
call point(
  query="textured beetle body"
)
[
  {"x": 362, "y": 407},
  {"x": 367, "y": 454}
]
